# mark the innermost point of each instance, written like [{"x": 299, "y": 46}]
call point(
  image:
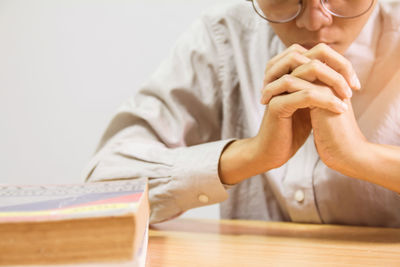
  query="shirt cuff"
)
[{"x": 197, "y": 173}]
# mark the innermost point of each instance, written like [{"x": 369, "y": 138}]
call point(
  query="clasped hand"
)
[{"x": 309, "y": 89}]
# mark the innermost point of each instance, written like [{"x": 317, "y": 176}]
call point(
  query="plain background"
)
[{"x": 65, "y": 67}]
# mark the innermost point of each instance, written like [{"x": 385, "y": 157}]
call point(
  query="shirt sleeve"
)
[{"x": 170, "y": 130}]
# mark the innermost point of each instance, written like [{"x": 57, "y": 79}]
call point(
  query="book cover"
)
[{"x": 52, "y": 224}]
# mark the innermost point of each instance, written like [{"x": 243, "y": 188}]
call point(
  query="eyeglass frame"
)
[{"x": 302, "y": 8}]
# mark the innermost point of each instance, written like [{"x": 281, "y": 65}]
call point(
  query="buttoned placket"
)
[{"x": 298, "y": 188}]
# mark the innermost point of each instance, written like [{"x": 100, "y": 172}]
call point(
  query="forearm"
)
[
  {"x": 241, "y": 160},
  {"x": 378, "y": 164}
]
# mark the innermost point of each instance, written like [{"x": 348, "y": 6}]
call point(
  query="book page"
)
[{"x": 70, "y": 201}]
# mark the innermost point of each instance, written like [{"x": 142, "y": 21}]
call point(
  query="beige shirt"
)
[{"x": 206, "y": 93}]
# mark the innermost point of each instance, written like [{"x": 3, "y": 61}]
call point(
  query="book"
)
[{"x": 89, "y": 224}]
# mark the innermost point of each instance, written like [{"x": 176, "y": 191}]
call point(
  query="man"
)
[{"x": 324, "y": 149}]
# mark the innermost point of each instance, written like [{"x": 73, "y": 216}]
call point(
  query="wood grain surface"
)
[{"x": 189, "y": 242}]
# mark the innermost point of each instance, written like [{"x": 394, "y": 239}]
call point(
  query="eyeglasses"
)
[{"x": 281, "y": 11}]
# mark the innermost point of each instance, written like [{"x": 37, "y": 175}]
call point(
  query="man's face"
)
[{"x": 315, "y": 25}]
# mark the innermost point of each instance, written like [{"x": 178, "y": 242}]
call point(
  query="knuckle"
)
[
  {"x": 298, "y": 48},
  {"x": 287, "y": 80},
  {"x": 322, "y": 50},
  {"x": 322, "y": 47},
  {"x": 295, "y": 56},
  {"x": 308, "y": 95},
  {"x": 292, "y": 54},
  {"x": 295, "y": 47},
  {"x": 315, "y": 64}
]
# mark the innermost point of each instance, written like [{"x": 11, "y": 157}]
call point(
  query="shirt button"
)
[
  {"x": 203, "y": 198},
  {"x": 299, "y": 196}
]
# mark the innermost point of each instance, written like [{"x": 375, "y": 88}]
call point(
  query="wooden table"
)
[{"x": 189, "y": 243}]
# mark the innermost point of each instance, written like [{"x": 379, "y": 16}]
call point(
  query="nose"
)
[{"x": 313, "y": 16}]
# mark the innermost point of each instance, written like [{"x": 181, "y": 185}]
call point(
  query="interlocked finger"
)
[
  {"x": 285, "y": 65},
  {"x": 272, "y": 69},
  {"x": 336, "y": 61},
  {"x": 285, "y": 105},
  {"x": 315, "y": 70}
]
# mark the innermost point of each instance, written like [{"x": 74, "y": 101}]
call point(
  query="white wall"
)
[{"x": 65, "y": 66}]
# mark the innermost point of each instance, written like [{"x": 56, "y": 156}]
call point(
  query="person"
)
[{"x": 278, "y": 110}]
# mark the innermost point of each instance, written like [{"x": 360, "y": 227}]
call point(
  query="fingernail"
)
[{"x": 355, "y": 82}]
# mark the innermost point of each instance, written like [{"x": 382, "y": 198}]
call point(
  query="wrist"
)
[
  {"x": 240, "y": 160},
  {"x": 357, "y": 161}
]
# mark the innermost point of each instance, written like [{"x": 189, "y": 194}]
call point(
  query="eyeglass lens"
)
[{"x": 286, "y": 10}]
